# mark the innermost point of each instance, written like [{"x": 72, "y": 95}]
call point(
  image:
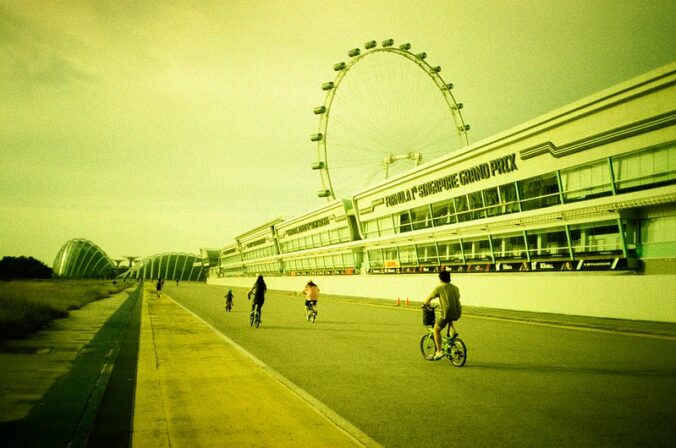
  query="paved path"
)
[
  {"x": 195, "y": 388},
  {"x": 51, "y": 384},
  {"x": 135, "y": 369}
]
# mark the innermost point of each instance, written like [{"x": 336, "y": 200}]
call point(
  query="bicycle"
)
[
  {"x": 255, "y": 318},
  {"x": 311, "y": 313},
  {"x": 453, "y": 347}
]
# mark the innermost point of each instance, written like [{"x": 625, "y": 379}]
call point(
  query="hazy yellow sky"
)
[{"x": 149, "y": 127}]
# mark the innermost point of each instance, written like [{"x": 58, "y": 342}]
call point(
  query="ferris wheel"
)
[{"x": 388, "y": 110}]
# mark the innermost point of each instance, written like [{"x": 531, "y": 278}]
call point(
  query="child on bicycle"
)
[
  {"x": 311, "y": 292},
  {"x": 451, "y": 310}
]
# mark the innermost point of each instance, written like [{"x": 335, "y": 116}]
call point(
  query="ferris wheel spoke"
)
[{"x": 387, "y": 113}]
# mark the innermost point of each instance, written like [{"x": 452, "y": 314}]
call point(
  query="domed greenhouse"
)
[
  {"x": 80, "y": 258},
  {"x": 170, "y": 266}
]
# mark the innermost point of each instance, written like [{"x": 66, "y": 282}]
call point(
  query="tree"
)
[{"x": 23, "y": 267}]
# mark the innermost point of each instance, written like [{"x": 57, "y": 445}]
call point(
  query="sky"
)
[{"x": 149, "y": 127}]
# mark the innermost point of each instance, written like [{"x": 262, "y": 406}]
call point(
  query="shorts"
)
[
  {"x": 442, "y": 322},
  {"x": 310, "y": 302}
]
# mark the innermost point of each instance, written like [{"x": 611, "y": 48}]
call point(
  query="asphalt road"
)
[{"x": 525, "y": 385}]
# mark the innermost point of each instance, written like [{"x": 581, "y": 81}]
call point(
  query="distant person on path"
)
[
  {"x": 176, "y": 282},
  {"x": 228, "y": 300},
  {"x": 311, "y": 292},
  {"x": 158, "y": 286},
  {"x": 451, "y": 310},
  {"x": 258, "y": 292}
]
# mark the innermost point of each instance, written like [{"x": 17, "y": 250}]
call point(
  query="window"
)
[
  {"x": 539, "y": 192},
  {"x": 587, "y": 181},
  {"x": 477, "y": 249},
  {"x": 402, "y": 222},
  {"x": 427, "y": 254},
  {"x": 509, "y": 199},
  {"x": 348, "y": 260},
  {"x": 375, "y": 258},
  {"x": 443, "y": 213},
  {"x": 370, "y": 229},
  {"x": 658, "y": 237},
  {"x": 450, "y": 252},
  {"x": 596, "y": 238},
  {"x": 461, "y": 208},
  {"x": 510, "y": 246},
  {"x": 476, "y": 203},
  {"x": 648, "y": 167},
  {"x": 385, "y": 226},
  {"x": 421, "y": 217},
  {"x": 492, "y": 201},
  {"x": 391, "y": 258},
  {"x": 408, "y": 256},
  {"x": 336, "y": 261},
  {"x": 547, "y": 243}
]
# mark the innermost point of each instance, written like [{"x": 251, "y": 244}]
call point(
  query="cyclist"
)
[
  {"x": 258, "y": 292},
  {"x": 449, "y": 302},
  {"x": 311, "y": 292},
  {"x": 228, "y": 300}
]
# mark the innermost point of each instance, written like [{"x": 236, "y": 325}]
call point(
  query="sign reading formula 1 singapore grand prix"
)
[{"x": 476, "y": 173}]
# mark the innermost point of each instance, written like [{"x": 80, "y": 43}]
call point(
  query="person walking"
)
[
  {"x": 228, "y": 300},
  {"x": 258, "y": 292},
  {"x": 451, "y": 310},
  {"x": 311, "y": 292},
  {"x": 158, "y": 286}
]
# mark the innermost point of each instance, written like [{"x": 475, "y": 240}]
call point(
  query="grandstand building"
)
[{"x": 580, "y": 201}]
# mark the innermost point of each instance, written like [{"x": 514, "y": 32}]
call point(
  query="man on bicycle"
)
[
  {"x": 311, "y": 292},
  {"x": 449, "y": 302}
]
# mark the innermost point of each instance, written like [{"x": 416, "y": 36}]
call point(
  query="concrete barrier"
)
[{"x": 618, "y": 295}]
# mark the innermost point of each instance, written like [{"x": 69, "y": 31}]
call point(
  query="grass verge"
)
[{"x": 28, "y": 305}]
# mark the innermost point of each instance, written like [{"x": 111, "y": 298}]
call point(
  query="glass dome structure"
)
[
  {"x": 170, "y": 266},
  {"x": 80, "y": 258}
]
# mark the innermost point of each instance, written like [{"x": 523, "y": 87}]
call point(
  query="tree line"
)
[{"x": 23, "y": 267}]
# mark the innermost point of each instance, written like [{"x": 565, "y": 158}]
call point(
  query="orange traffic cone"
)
[
  {"x": 408, "y": 302},
  {"x": 398, "y": 301}
]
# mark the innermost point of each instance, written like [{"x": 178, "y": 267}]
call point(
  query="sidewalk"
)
[
  {"x": 51, "y": 383},
  {"x": 194, "y": 389}
]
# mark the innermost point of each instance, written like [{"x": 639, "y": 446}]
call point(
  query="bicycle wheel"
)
[
  {"x": 251, "y": 319},
  {"x": 427, "y": 347},
  {"x": 457, "y": 352},
  {"x": 258, "y": 319}
]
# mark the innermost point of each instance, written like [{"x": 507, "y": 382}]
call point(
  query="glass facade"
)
[
  {"x": 261, "y": 252},
  {"x": 552, "y": 245},
  {"x": 336, "y": 263},
  {"x": 646, "y": 168},
  {"x": 559, "y": 243},
  {"x": 316, "y": 240}
]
